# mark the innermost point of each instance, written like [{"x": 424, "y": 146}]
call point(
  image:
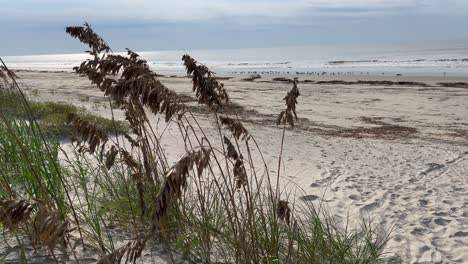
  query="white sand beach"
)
[{"x": 396, "y": 153}]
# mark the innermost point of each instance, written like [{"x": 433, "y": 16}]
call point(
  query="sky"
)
[{"x": 34, "y": 27}]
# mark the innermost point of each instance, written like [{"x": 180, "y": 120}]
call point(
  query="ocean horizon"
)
[{"x": 436, "y": 58}]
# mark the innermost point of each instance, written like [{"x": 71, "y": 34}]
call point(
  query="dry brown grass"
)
[
  {"x": 206, "y": 87},
  {"x": 15, "y": 212},
  {"x": 236, "y": 127},
  {"x": 49, "y": 229},
  {"x": 88, "y": 36},
  {"x": 136, "y": 81},
  {"x": 47, "y": 225},
  {"x": 175, "y": 181},
  {"x": 290, "y": 99},
  {"x": 284, "y": 212},
  {"x": 130, "y": 253},
  {"x": 88, "y": 132}
]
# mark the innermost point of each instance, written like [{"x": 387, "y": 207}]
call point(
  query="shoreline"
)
[{"x": 300, "y": 74}]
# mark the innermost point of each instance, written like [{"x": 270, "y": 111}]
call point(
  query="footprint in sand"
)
[
  {"x": 423, "y": 202},
  {"x": 426, "y": 221},
  {"x": 424, "y": 249},
  {"x": 370, "y": 207},
  {"x": 432, "y": 167},
  {"x": 436, "y": 257},
  {"x": 309, "y": 198},
  {"x": 447, "y": 202},
  {"x": 440, "y": 214},
  {"x": 442, "y": 221},
  {"x": 315, "y": 185},
  {"x": 420, "y": 231},
  {"x": 460, "y": 234}
]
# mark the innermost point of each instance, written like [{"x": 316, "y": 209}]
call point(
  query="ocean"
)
[{"x": 437, "y": 58}]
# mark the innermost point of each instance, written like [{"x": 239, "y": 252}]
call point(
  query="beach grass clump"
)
[
  {"x": 41, "y": 110},
  {"x": 216, "y": 203},
  {"x": 28, "y": 165},
  {"x": 323, "y": 239},
  {"x": 52, "y": 116}
]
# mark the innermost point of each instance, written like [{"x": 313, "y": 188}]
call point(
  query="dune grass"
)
[
  {"x": 120, "y": 196},
  {"x": 52, "y": 116}
]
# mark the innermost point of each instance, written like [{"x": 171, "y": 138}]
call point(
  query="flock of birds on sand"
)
[
  {"x": 305, "y": 73},
  {"x": 314, "y": 73}
]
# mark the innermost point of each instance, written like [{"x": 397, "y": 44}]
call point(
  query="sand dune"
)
[{"x": 395, "y": 153}]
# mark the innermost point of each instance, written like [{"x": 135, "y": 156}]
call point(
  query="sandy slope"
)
[{"x": 397, "y": 153}]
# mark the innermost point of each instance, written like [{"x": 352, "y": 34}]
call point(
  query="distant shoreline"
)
[
  {"x": 304, "y": 74},
  {"x": 421, "y": 59}
]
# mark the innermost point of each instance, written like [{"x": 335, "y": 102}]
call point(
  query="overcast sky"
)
[{"x": 37, "y": 26}]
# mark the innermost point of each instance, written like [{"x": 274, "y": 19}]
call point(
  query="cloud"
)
[
  {"x": 178, "y": 24},
  {"x": 182, "y": 11}
]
